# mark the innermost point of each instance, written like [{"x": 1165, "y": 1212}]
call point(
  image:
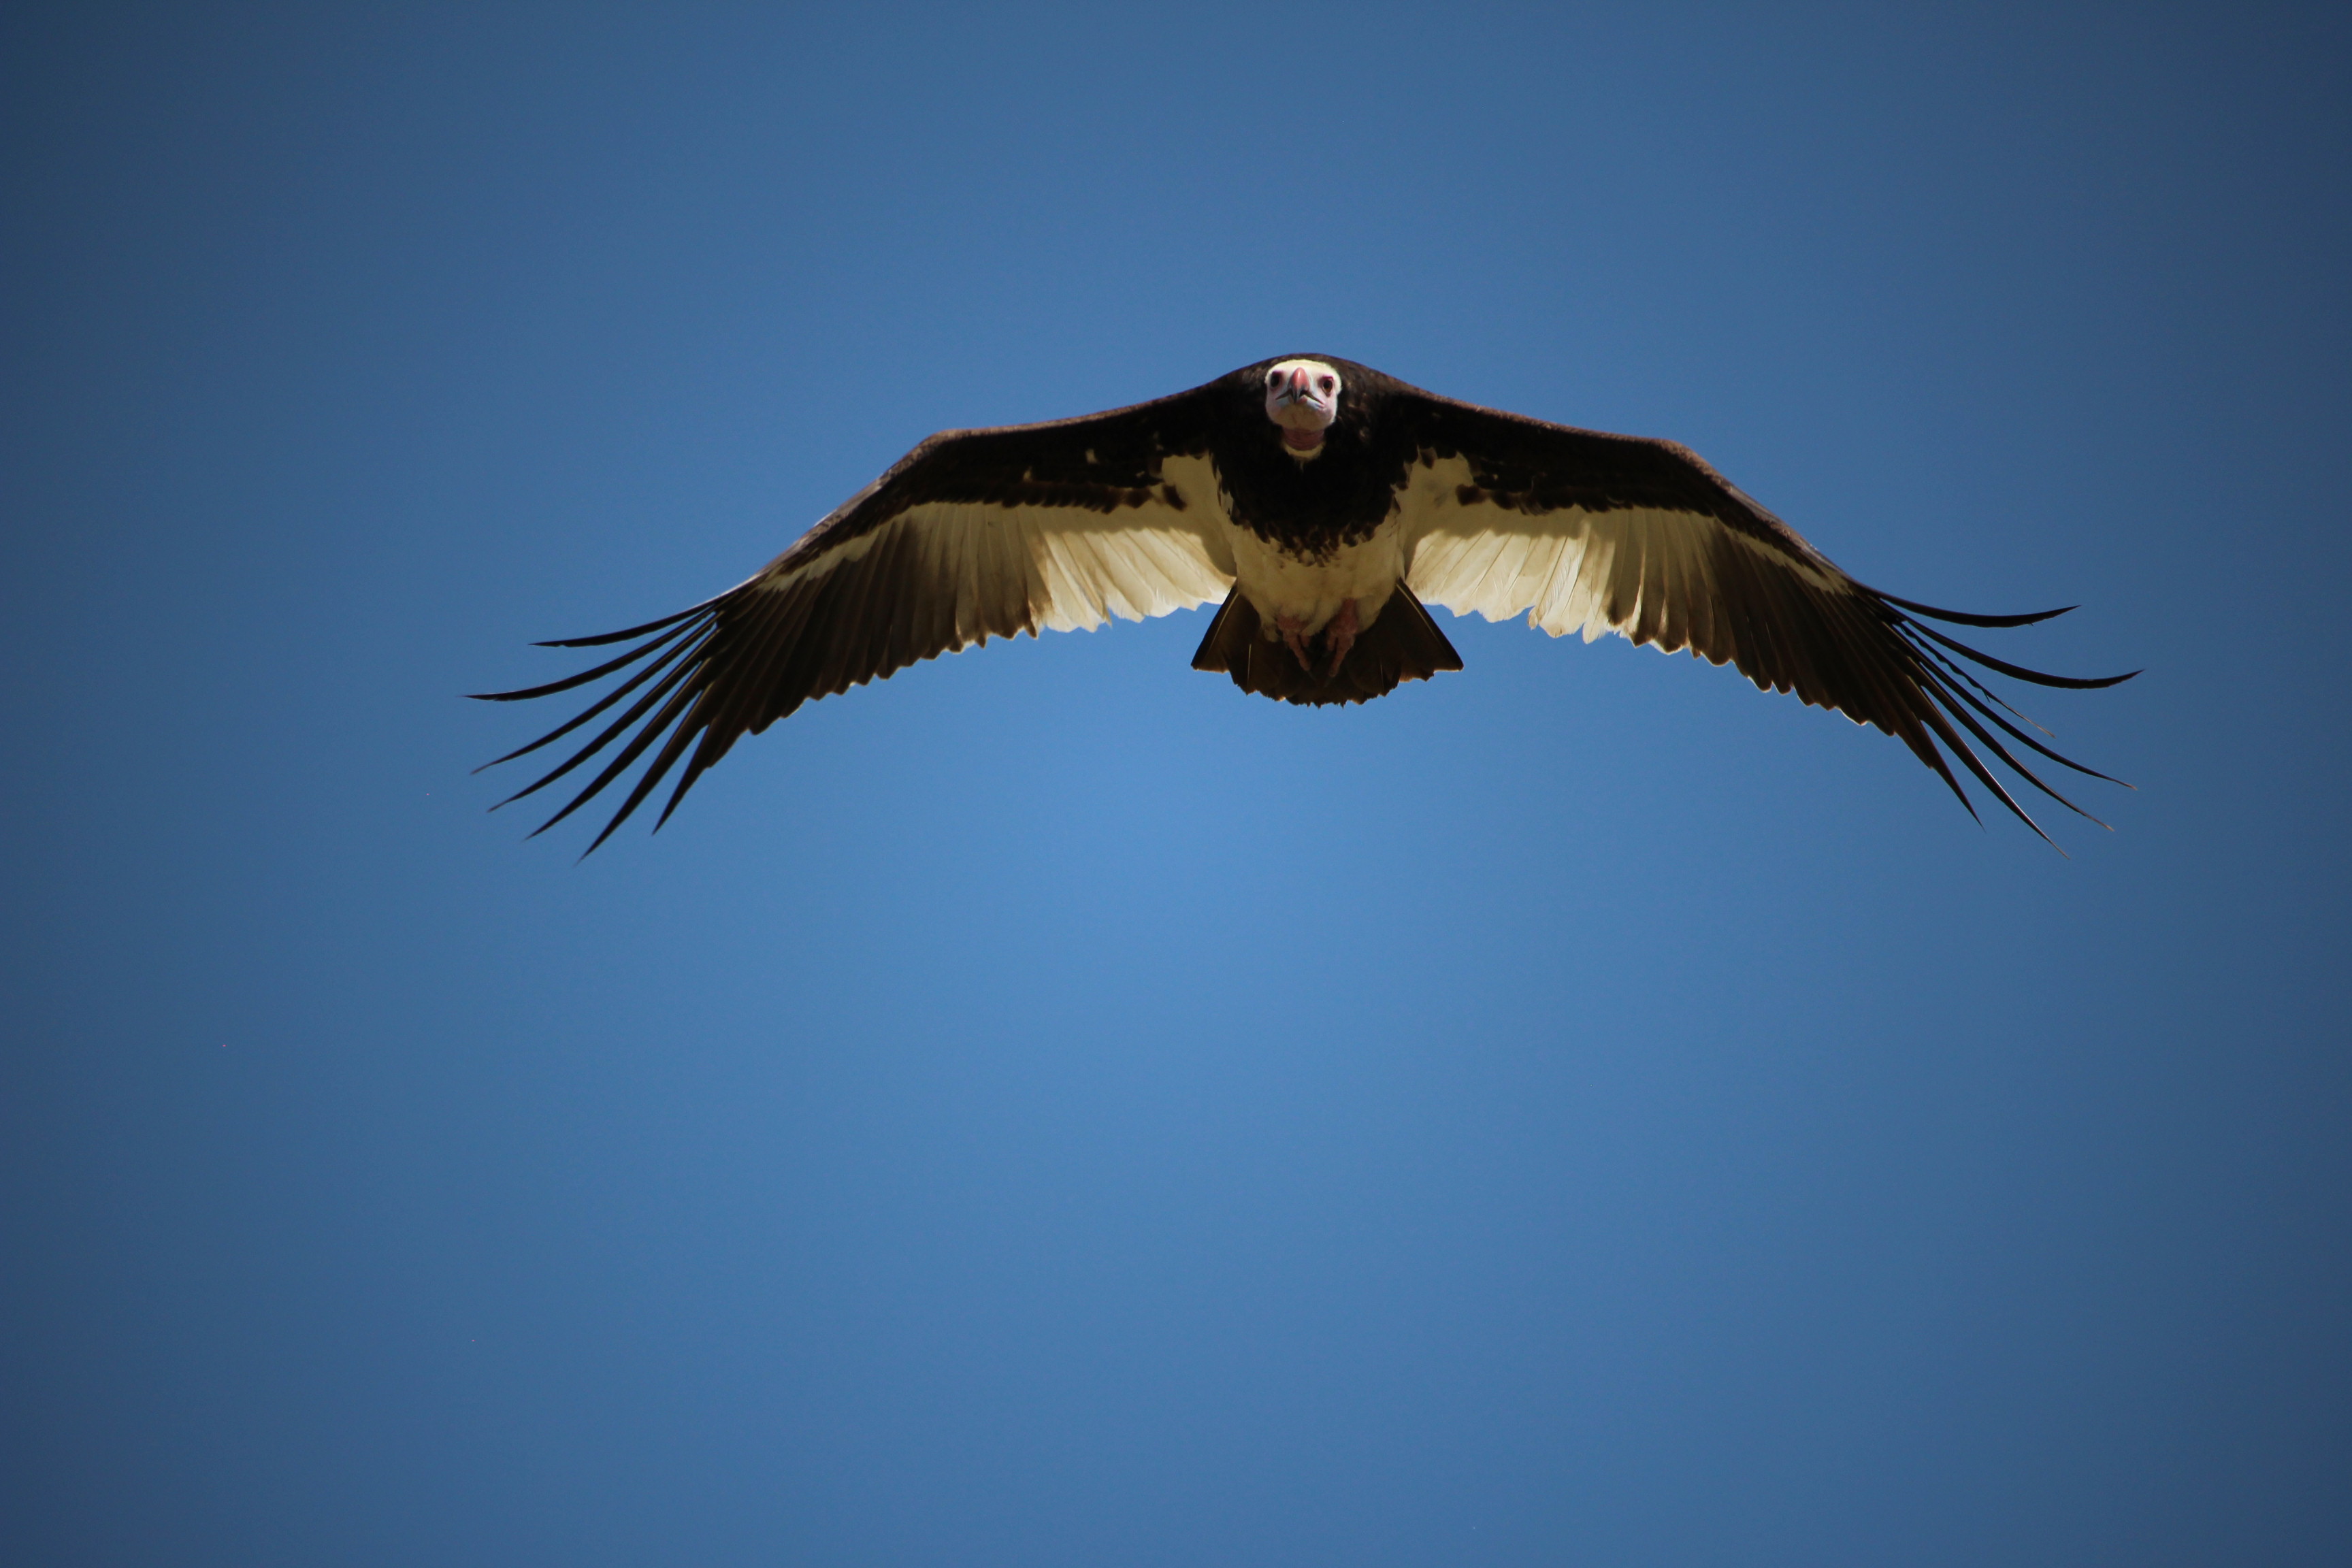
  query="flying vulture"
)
[{"x": 1322, "y": 507}]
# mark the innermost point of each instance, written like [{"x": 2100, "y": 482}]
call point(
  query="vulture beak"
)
[
  {"x": 1298, "y": 389},
  {"x": 1293, "y": 403}
]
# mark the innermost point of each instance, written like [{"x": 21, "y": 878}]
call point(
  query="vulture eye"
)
[{"x": 1326, "y": 384}]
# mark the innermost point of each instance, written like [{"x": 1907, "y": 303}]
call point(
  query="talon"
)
[
  {"x": 1339, "y": 636},
  {"x": 1294, "y": 633}
]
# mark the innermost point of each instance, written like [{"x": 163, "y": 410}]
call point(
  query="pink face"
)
[{"x": 1302, "y": 396}]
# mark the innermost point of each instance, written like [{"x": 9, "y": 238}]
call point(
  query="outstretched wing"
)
[
  {"x": 973, "y": 535},
  {"x": 1591, "y": 532}
]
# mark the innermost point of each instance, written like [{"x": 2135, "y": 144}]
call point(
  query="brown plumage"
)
[{"x": 1321, "y": 562}]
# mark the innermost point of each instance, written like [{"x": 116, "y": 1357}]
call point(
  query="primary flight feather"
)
[{"x": 1321, "y": 505}]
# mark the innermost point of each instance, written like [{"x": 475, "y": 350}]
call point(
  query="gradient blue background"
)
[{"x": 1051, "y": 1108}]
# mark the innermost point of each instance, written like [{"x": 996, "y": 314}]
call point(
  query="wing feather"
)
[
  {"x": 990, "y": 533},
  {"x": 1581, "y": 531},
  {"x": 974, "y": 534}
]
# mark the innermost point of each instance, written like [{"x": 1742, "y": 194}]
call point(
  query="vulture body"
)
[{"x": 1322, "y": 506}]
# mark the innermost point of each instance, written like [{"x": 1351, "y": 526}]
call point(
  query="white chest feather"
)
[{"x": 1279, "y": 585}]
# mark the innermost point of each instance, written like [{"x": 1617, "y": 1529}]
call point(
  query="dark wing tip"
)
[
  {"x": 601, "y": 638},
  {"x": 677, "y": 664},
  {"x": 1955, "y": 701},
  {"x": 1970, "y": 618}
]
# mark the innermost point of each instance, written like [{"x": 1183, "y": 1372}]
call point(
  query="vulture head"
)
[{"x": 1302, "y": 396}]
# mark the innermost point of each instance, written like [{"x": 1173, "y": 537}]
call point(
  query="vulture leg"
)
[
  {"x": 1293, "y": 634},
  {"x": 1339, "y": 636}
]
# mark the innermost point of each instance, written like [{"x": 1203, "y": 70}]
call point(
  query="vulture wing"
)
[
  {"x": 973, "y": 535},
  {"x": 1591, "y": 533}
]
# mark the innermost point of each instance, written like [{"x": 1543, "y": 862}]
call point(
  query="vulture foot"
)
[
  {"x": 1294, "y": 636},
  {"x": 1339, "y": 636}
]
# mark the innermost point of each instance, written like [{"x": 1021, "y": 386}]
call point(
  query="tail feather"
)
[{"x": 1404, "y": 644}]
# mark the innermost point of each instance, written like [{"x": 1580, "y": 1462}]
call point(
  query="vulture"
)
[{"x": 1322, "y": 507}]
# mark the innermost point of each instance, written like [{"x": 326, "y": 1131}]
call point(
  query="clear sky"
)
[{"x": 1052, "y": 1108}]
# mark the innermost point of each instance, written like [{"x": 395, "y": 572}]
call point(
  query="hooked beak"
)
[
  {"x": 1300, "y": 409},
  {"x": 1303, "y": 414},
  {"x": 1298, "y": 389}
]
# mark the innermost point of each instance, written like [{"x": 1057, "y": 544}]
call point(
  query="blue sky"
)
[{"x": 1050, "y": 1107}]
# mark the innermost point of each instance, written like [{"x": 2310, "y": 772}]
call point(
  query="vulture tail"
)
[{"x": 1403, "y": 643}]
